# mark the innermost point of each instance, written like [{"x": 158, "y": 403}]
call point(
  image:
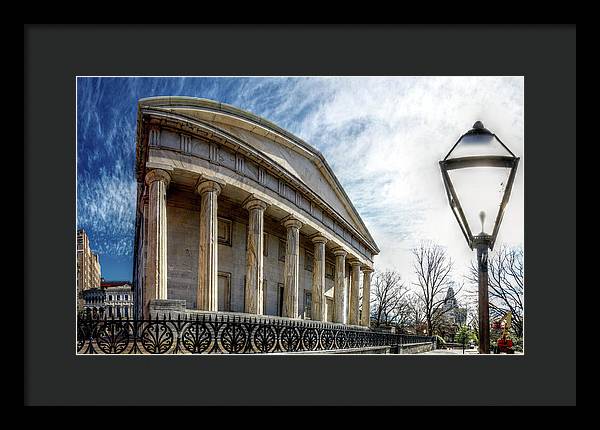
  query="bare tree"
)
[
  {"x": 473, "y": 321},
  {"x": 433, "y": 268},
  {"x": 388, "y": 303},
  {"x": 403, "y": 314},
  {"x": 415, "y": 307},
  {"x": 505, "y": 284}
]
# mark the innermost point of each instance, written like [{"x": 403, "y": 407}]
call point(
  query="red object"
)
[
  {"x": 505, "y": 344},
  {"x": 108, "y": 284}
]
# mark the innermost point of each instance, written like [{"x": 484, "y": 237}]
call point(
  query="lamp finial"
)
[{"x": 482, "y": 218}]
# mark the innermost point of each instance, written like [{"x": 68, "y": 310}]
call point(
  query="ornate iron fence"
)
[{"x": 225, "y": 334}]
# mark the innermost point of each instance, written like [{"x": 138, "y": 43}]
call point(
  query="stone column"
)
[
  {"x": 253, "y": 291},
  {"x": 292, "y": 267},
  {"x": 318, "y": 279},
  {"x": 206, "y": 296},
  {"x": 366, "y": 298},
  {"x": 339, "y": 288},
  {"x": 354, "y": 286},
  {"x": 155, "y": 286}
]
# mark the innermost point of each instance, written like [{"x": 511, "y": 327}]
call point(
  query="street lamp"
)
[{"x": 478, "y": 175}]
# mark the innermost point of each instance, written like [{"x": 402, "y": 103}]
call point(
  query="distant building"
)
[
  {"x": 454, "y": 314},
  {"x": 118, "y": 299},
  {"x": 93, "y": 299},
  {"x": 88, "y": 267},
  {"x": 112, "y": 299}
]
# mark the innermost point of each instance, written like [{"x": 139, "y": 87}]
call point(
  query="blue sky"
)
[{"x": 383, "y": 137}]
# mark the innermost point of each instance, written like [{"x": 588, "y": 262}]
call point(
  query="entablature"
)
[{"x": 193, "y": 139}]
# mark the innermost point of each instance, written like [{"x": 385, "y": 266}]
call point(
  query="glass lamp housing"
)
[{"x": 478, "y": 174}]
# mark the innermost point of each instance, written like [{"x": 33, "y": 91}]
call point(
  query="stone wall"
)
[
  {"x": 183, "y": 220},
  {"x": 369, "y": 350},
  {"x": 183, "y": 230},
  {"x": 416, "y": 348}
]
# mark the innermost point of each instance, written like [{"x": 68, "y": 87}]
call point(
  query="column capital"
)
[
  {"x": 291, "y": 221},
  {"x": 367, "y": 269},
  {"x": 317, "y": 238},
  {"x": 157, "y": 175},
  {"x": 206, "y": 185},
  {"x": 354, "y": 262},
  {"x": 339, "y": 252},
  {"x": 254, "y": 202}
]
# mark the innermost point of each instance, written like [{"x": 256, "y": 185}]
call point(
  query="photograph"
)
[{"x": 299, "y": 215}]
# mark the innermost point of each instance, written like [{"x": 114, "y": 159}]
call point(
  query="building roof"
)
[
  {"x": 112, "y": 284},
  {"x": 92, "y": 291}
]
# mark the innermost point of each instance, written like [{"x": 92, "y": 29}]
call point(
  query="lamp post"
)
[{"x": 478, "y": 175}]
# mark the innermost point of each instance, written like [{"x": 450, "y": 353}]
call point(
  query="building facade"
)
[
  {"x": 111, "y": 300},
  {"x": 235, "y": 214},
  {"x": 454, "y": 314},
  {"x": 93, "y": 301},
  {"x": 118, "y": 299},
  {"x": 88, "y": 267}
]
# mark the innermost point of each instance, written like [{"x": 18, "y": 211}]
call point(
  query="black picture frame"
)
[{"x": 55, "y": 55}]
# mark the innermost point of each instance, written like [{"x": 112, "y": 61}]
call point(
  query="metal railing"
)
[{"x": 213, "y": 333}]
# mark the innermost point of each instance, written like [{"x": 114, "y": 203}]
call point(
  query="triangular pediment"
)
[
  {"x": 296, "y": 157},
  {"x": 303, "y": 169}
]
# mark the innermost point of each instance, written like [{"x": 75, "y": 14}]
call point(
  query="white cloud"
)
[
  {"x": 106, "y": 187},
  {"x": 384, "y": 136}
]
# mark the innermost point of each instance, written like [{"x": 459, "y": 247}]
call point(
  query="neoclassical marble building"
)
[{"x": 235, "y": 214}]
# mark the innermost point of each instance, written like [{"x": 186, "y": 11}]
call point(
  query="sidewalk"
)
[
  {"x": 474, "y": 351},
  {"x": 451, "y": 352}
]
